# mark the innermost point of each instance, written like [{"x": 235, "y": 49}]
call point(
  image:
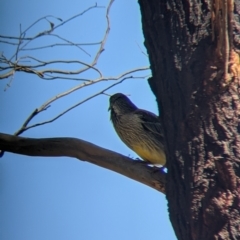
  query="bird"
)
[{"x": 139, "y": 129}]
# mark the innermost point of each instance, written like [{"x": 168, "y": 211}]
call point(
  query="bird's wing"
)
[{"x": 149, "y": 121}]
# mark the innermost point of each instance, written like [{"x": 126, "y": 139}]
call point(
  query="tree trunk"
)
[{"x": 193, "y": 48}]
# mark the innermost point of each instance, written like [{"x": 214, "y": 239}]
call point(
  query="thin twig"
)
[
  {"x": 47, "y": 104},
  {"x": 9, "y": 85},
  {"x": 90, "y": 82},
  {"x": 57, "y": 36},
  {"x": 49, "y": 77},
  {"x": 7, "y": 74},
  {"x": 101, "y": 49},
  {"x": 19, "y": 43},
  {"x": 80, "y": 14},
  {"x": 141, "y": 50},
  {"x": 44, "y": 33},
  {"x": 44, "y": 63},
  {"x": 34, "y": 113},
  {"x": 57, "y": 45},
  {"x": 30, "y": 68},
  {"x": 7, "y": 42}
]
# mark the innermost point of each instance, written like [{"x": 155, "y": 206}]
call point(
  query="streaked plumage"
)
[{"x": 139, "y": 129}]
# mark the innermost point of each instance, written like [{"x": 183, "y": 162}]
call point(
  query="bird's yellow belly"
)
[{"x": 153, "y": 156}]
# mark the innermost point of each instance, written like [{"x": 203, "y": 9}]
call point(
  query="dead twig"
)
[{"x": 46, "y": 105}]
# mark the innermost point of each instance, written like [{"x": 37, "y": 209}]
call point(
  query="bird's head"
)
[{"x": 120, "y": 104}]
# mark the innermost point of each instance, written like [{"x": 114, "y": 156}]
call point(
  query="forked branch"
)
[{"x": 10, "y": 65}]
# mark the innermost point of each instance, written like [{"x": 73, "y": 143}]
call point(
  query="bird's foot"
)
[
  {"x": 160, "y": 169},
  {"x": 138, "y": 160}
]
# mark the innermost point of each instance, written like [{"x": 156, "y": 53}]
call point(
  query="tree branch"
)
[
  {"x": 51, "y": 73},
  {"x": 46, "y": 105},
  {"x": 85, "y": 151}
]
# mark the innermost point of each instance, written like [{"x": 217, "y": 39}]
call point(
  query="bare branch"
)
[
  {"x": 46, "y": 32},
  {"x": 30, "y": 68},
  {"x": 70, "y": 43},
  {"x": 32, "y": 25},
  {"x": 56, "y": 45},
  {"x": 7, "y": 74},
  {"x": 91, "y": 82},
  {"x": 85, "y": 151},
  {"x": 101, "y": 49},
  {"x": 7, "y": 42},
  {"x": 19, "y": 43},
  {"x": 47, "y": 104},
  {"x": 44, "y": 63},
  {"x": 22, "y": 42},
  {"x": 80, "y": 14}
]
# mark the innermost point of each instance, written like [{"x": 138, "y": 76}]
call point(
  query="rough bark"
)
[
  {"x": 193, "y": 48},
  {"x": 85, "y": 151}
]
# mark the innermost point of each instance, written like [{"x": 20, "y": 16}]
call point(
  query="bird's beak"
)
[{"x": 110, "y": 108}]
